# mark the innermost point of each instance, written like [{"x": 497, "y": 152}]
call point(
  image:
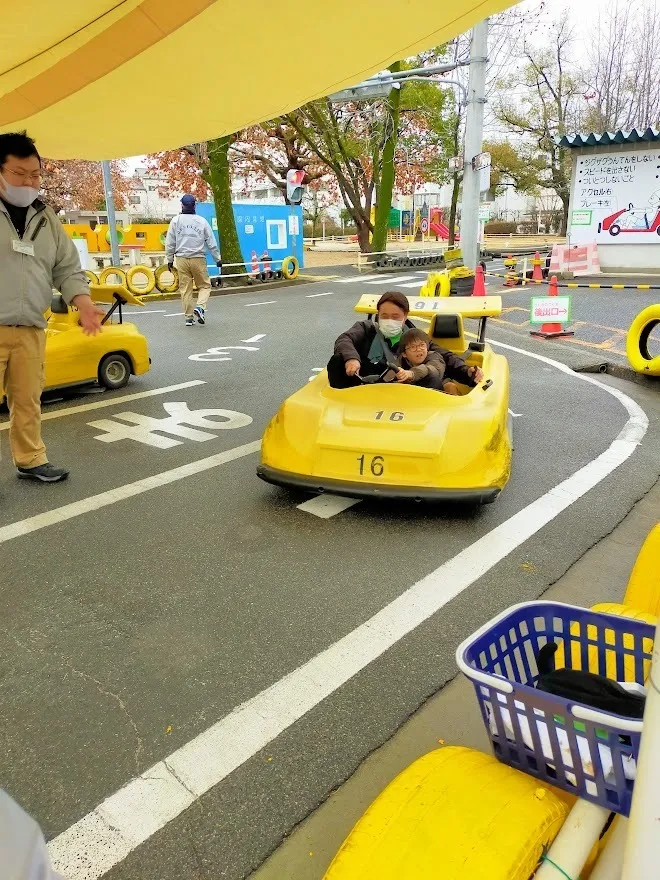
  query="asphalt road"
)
[{"x": 137, "y": 610}]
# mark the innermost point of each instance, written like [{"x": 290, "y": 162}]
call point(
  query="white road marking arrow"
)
[{"x": 255, "y": 338}]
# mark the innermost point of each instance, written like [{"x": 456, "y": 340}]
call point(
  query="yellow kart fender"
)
[
  {"x": 290, "y": 268},
  {"x": 147, "y": 273},
  {"x": 454, "y": 814},
  {"x": 173, "y": 286},
  {"x": 637, "y": 342},
  {"x": 111, "y": 272}
]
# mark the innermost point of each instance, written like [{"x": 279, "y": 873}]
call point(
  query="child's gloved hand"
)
[{"x": 404, "y": 375}]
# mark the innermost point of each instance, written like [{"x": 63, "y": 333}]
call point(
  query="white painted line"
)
[
  {"x": 411, "y": 284},
  {"x": 86, "y": 407},
  {"x": 354, "y": 278},
  {"x": 268, "y": 302},
  {"x": 175, "y": 315},
  {"x": 137, "y": 312},
  {"x": 104, "y": 837},
  {"x": 325, "y": 506},
  {"x": 255, "y": 338},
  {"x": 515, "y": 415},
  {"x": 121, "y": 493},
  {"x": 394, "y": 280},
  {"x": 312, "y": 295}
]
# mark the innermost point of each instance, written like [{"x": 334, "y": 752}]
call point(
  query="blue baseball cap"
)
[{"x": 188, "y": 201}]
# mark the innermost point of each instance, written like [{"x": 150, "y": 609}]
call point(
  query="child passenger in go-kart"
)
[
  {"x": 421, "y": 366},
  {"x": 363, "y": 351}
]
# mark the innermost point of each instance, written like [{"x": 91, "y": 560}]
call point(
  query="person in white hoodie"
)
[{"x": 187, "y": 239}]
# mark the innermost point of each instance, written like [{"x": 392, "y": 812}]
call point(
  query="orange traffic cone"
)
[
  {"x": 552, "y": 329},
  {"x": 537, "y": 274},
  {"x": 479, "y": 283}
]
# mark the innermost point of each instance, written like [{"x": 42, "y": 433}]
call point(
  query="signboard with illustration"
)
[{"x": 615, "y": 198}]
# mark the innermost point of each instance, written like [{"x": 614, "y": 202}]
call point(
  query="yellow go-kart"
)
[
  {"x": 109, "y": 358},
  {"x": 388, "y": 440}
]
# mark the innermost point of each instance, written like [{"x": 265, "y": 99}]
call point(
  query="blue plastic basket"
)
[{"x": 586, "y": 752}]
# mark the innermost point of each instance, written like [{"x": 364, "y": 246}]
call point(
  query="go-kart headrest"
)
[
  {"x": 447, "y": 331},
  {"x": 57, "y": 305}
]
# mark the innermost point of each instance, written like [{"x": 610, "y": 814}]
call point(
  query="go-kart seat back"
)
[
  {"x": 447, "y": 331},
  {"x": 57, "y": 305}
]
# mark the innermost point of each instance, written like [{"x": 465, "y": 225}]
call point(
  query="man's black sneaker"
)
[
  {"x": 198, "y": 312},
  {"x": 190, "y": 322},
  {"x": 46, "y": 473}
]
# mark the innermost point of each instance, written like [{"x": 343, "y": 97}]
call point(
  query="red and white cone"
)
[
  {"x": 255, "y": 265},
  {"x": 552, "y": 329},
  {"x": 479, "y": 283},
  {"x": 537, "y": 273}
]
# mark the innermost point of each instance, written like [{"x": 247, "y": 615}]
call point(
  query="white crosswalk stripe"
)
[
  {"x": 392, "y": 279},
  {"x": 411, "y": 285},
  {"x": 354, "y": 278}
]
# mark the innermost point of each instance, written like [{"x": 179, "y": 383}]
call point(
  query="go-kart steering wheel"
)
[{"x": 378, "y": 377}]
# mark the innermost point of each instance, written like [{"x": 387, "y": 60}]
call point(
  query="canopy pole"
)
[
  {"x": 110, "y": 207},
  {"x": 474, "y": 132}
]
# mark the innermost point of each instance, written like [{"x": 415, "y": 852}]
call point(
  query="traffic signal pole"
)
[{"x": 474, "y": 133}]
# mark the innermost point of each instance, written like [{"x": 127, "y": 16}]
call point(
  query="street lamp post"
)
[{"x": 474, "y": 126}]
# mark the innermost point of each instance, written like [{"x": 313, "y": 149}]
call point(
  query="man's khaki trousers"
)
[
  {"x": 193, "y": 269},
  {"x": 22, "y": 351}
]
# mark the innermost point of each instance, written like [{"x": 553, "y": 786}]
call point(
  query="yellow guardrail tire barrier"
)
[
  {"x": 113, "y": 272},
  {"x": 290, "y": 268},
  {"x": 148, "y": 274},
  {"x": 454, "y": 814},
  {"x": 161, "y": 286},
  {"x": 643, "y": 589},
  {"x": 92, "y": 277},
  {"x": 443, "y": 285},
  {"x": 637, "y": 342}
]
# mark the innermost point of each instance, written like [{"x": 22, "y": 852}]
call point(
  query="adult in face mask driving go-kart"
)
[{"x": 369, "y": 347}]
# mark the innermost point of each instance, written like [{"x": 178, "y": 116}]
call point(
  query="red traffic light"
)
[{"x": 295, "y": 178}]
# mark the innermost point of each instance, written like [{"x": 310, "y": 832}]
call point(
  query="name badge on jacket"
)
[{"x": 23, "y": 247}]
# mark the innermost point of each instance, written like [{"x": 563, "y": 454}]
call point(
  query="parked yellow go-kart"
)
[
  {"x": 109, "y": 358},
  {"x": 401, "y": 441}
]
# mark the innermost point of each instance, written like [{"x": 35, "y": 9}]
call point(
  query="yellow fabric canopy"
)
[{"x": 101, "y": 79}]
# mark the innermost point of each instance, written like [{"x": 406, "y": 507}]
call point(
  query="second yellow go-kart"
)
[
  {"x": 401, "y": 441},
  {"x": 109, "y": 358}
]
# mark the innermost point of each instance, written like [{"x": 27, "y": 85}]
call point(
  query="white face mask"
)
[
  {"x": 20, "y": 196},
  {"x": 389, "y": 327}
]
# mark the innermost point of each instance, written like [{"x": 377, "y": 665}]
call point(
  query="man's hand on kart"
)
[
  {"x": 404, "y": 375},
  {"x": 352, "y": 367},
  {"x": 476, "y": 373}
]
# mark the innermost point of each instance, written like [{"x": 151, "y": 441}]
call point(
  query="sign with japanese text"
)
[
  {"x": 550, "y": 309},
  {"x": 615, "y": 198}
]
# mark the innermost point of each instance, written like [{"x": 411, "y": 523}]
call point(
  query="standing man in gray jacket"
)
[
  {"x": 187, "y": 239},
  {"x": 36, "y": 255}
]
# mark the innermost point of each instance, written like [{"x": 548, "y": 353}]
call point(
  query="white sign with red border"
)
[{"x": 551, "y": 309}]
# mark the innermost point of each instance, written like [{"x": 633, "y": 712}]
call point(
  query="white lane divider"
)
[
  {"x": 515, "y": 415},
  {"x": 113, "y": 401},
  {"x": 326, "y": 505},
  {"x": 313, "y": 295},
  {"x": 175, "y": 315},
  {"x": 106, "y": 836},
  {"x": 268, "y": 302},
  {"x": 135, "y": 313},
  {"x": 255, "y": 338},
  {"x": 121, "y": 493}
]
